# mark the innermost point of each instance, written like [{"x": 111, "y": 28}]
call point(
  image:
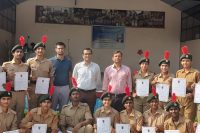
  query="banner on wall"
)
[{"x": 108, "y": 37}]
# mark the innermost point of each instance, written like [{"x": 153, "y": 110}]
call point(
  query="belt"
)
[
  {"x": 92, "y": 90},
  {"x": 118, "y": 95}
]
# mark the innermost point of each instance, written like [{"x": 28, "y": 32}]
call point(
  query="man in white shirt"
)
[{"x": 88, "y": 77}]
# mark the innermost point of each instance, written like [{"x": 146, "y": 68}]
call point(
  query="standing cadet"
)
[
  {"x": 16, "y": 65},
  {"x": 130, "y": 115},
  {"x": 8, "y": 117},
  {"x": 177, "y": 121},
  {"x": 39, "y": 67},
  {"x": 155, "y": 116},
  {"x": 76, "y": 116},
  {"x": 63, "y": 72},
  {"x": 164, "y": 77},
  {"x": 140, "y": 103},
  {"x": 41, "y": 115},
  {"x": 107, "y": 111},
  {"x": 192, "y": 76}
]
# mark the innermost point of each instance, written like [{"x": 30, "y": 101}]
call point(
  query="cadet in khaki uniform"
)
[
  {"x": 76, "y": 116},
  {"x": 131, "y": 116},
  {"x": 155, "y": 116},
  {"x": 140, "y": 103},
  {"x": 177, "y": 121},
  {"x": 192, "y": 76},
  {"x": 39, "y": 66},
  {"x": 16, "y": 65},
  {"x": 107, "y": 111},
  {"x": 8, "y": 117},
  {"x": 41, "y": 115},
  {"x": 164, "y": 77}
]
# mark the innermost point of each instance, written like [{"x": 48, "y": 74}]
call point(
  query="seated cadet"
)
[
  {"x": 107, "y": 111},
  {"x": 41, "y": 115},
  {"x": 155, "y": 116},
  {"x": 76, "y": 116},
  {"x": 131, "y": 116},
  {"x": 8, "y": 117},
  {"x": 177, "y": 122}
]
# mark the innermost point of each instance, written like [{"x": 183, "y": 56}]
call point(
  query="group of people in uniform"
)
[{"x": 75, "y": 102}]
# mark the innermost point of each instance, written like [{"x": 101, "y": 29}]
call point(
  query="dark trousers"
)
[
  {"x": 88, "y": 97},
  {"x": 117, "y": 102}
]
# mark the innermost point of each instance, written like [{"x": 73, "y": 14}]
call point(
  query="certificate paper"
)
[
  {"x": 198, "y": 129},
  {"x": 14, "y": 131},
  {"x": 148, "y": 130},
  {"x": 197, "y": 93},
  {"x": 42, "y": 85},
  {"x": 142, "y": 87},
  {"x": 21, "y": 81},
  {"x": 103, "y": 125},
  {"x": 179, "y": 86},
  {"x": 2, "y": 80},
  {"x": 122, "y": 128},
  {"x": 39, "y": 128},
  {"x": 171, "y": 131},
  {"x": 163, "y": 92}
]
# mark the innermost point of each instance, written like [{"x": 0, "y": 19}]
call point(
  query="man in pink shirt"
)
[{"x": 118, "y": 77}]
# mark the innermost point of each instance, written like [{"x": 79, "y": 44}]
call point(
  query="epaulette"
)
[{"x": 12, "y": 111}]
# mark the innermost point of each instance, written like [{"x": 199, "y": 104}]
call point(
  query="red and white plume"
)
[
  {"x": 127, "y": 91},
  {"x": 174, "y": 97},
  {"x": 135, "y": 72},
  {"x": 184, "y": 50},
  {"x": 166, "y": 55},
  {"x": 8, "y": 86},
  {"x": 146, "y": 54},
  {"x": 74, "y": 83},
  {"x": 51, "y": 90},
  {"x": 21, "y": 41},
  {"x": 109, "y": 88},
  {"x": 44, "y": 39},
  {"x": 153, "y": 90}
]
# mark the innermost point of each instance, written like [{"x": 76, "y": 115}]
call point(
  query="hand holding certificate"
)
[
  {"x": 163, "y": 92},
  {"x": 39, "y": 128},
  {"x": 103, "y": 125},
  {"x": 122, "y": 128},
  {"x": 21, "y": 81},
  {"x": 148, "y": 130},
  {"x": 197, "y": 93},
  {"x": 2, "y": 80},
  {"x": 42, "y": 85},
  {"x": 142, "y": 87},
  {"x": 179, "y": 86}
]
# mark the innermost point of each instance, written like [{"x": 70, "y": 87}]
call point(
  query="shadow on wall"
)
[{"x": 5, "y": 53}]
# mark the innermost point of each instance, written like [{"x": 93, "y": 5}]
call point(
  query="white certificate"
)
[
  {"x": 197, "y": 93},
  {"x": 142, "y": 87},
  {"x": 67, "y": 131},
  {"x": 103, "y": 125},
  {"x": 42, "y": 85},
  {"x": 2, "y": 80},
  {"x": 122, "y": 128},
  {"x": 179, "y": 86},
  {"x": 163, "y": 92},
  {"x": 39, "y": 128},
  {"x": 148, "y": 130},
  {"x": 14, "y": 131},
  {"x": 197, "y": 129},
  {"x": 171, "y": 131},
  {"x": 21, "y": 81}
]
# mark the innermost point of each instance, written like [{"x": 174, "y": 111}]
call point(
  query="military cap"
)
[
  {"x": 172, "y": 104},
  {"x": 16, "y": 47},
  {"x": 143, "y": 59},
  {"x": 106, "y": 95},
  {"x": 185, "y": 53},
  {"x": 44, "y": 97},
  {"x": 5, "y": 94},
  {"x": 40, "y": 44},
  {"x": 151, "y": 97},
  {"x": 126, "y": 98},
  {"x": 164, "y": 61},
  {"x": 73, "y": 89}
]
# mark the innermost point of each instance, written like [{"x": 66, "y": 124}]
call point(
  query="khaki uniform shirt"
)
[
  {"x": 112, "y": 113},
  {"x": 135, "y": 118},
  {"x": 39, "y": 68},
  {"x": 36, "y": 116},
  {"x": 163, "y": 80},
  {"x": 8, "y": 121},
  {"x": 156, "y": 119},
  {"x": 183, "y": 125},
  {"x": 71, "y": 116},
  {"x": 11, "y": 67},
  {"x": 193, "y": 76}
]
